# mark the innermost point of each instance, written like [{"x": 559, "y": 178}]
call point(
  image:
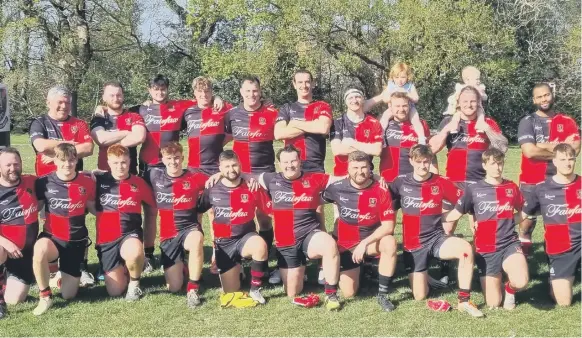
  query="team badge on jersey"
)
[
  {"x": 435, "y": 190},
  {"x": 128, "y": 121},
  {"x": 186, "y": 185},
  {"x": 74, "y": 129},
  {"x": 133, "y": 187},
  {"x": 373, "y": 202},
  {"x": 509, "y": 192},
  {"x": 306, "y": 184},
  {"x": 367, "y": 132},
  {"x": 171, "y": 109},
  {"x": 244, "y": 198},
  {"x": 579, "y": 193},
  {"x": 262, "y": 121},
  {"x": 82, "y": 190},
  {"x": 560, "y": 127}
]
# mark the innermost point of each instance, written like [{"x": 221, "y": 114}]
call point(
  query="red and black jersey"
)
[
  {"x": 176, "y": 199},
  {"x": 65, "y": 205},
  {"x": 422, "y": 207},
  {"x": 361, "y": 211},
  {"x": 19, "y": 213},
  {"x": 536, "y": 129},
  {"x": 368, "y": 130},
  {"x": 312, "y": 146},
  {"x": 294, "y": 203},
  {"x": 493, "y": 207},
  {"x": 253, "y": 134},
  {"x": 71, "y": 129},
  {"x": 561, "y": 209},
  {"x": 399, "y": 137},
  {"x": 163, "y": 123},
  {"x": 234, "y": 209},
  {"x": 125, "y": 121},
  {"x": 205, "y": 128},
  {"x": 465, "y": 149},
  {"x": 119, "y": 205}
]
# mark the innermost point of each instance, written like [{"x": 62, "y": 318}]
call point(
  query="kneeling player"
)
[
  {"x": 492, "y": 201},
  {"x": 421, "y": 194},
  {"x": 18, "y": 229},
  {"x": 66, "y": 196},
  {"x": 295, "y": 196},
  {"x": 558, "y": 199},
  {"x": 119, "y": 224},
  {"x": 234, "y": 207},
  {"x": 176, "y": 191},
  {"x": 365, "y": 227}
]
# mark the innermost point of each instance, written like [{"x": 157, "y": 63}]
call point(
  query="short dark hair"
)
[
  {"x": 159, "y": 81},
  {"x": 400, "y": 95},
  {"x": 564, "y": 148},
  {"x": 115, "y": 84},
  {"x": 251, "y": 79},
  {"x": 288, "y": 149},
  {"x": 66, "y": 151},
  {"x": 541, "y": 85},
  {"x": 498, "y": 155},
  {"x": 420, "y": 151},
  {"x": 358, "y": 156},
  {"x": 227, "y": 155},
  {"x": 11, "y": 150},
  {"x": 302, "y": 71}
]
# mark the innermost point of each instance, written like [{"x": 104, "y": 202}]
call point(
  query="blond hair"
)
[
  {"x": 469, "y": 70},
  {"x": 201, "y": 83},
  {"x": 398, "y": 68}
]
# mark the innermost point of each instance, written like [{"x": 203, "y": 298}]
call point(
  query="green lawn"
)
[{"x": 159, "y": 313}]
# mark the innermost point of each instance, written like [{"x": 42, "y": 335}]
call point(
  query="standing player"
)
[
  {"x": 305, "y": 124},
  {"x": 558, "y": 199},
  {"x": 493, "y": 201},
  {"x": 176, "y": 192},
  {"x": 295, "y": 197},
  {"x": 365, "y": 227},
  {"x": 54, "y": 128},
  {"x": 18, "y": 229},
  {"x": 399, "y": 137},
  {"x": 354, "y": 130},
  {"x": 66, "y": 195},
  {"x": 538, "y": 134},
  {"x": 234, "y": 228},
  {"x": 421, "y": 195},
  {"x": 117, "y": 125},
  {"x": 120, "y": 196},
  {"x": 466, "y": 141},
  {"x": 252, "y": 126}
]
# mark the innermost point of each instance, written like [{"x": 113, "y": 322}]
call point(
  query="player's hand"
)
[
  {"x": 212, "y": 180},
  {"x": 100, "y": 111},
  {"x": 218, "y": 103},
  {"x": 97, "y": 172},
  {"x": 253, "y": 184},
  {"x": 386, "y": 95},
  {"x": 481, "y": 124},
  {"x": 147, "y": 103},
  {"x": 46, "y": 159},
  {"x": 359, "y": 252},
  {"x": 571, "y": 138},
  {"x": 383, "y": 183},
  {"x": 12, "y": 249}
]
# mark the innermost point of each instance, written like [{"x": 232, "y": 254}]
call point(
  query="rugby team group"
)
[{"x": 236, "y": 187}]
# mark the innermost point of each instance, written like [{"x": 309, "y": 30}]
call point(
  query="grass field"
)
[{"x": 159, "y": 313}]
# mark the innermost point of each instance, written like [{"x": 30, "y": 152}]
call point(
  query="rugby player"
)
[
  {"x": 493, "y": 201},
  {"x": 176, "y": 192},
  {"x": 119, "y": 239},
  {"x": 558, "y": 199},
  {"x": 421, "y": 195},
  {"x": 18, "y": 229},
  {"x": 234, "y": 228},
  {"x": 365, "y": 227},
  {"x": 538, "y": 134},
  {"x": 65, "y": 195}
]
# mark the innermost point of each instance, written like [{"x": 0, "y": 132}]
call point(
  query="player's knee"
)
[
  {"x": 260, "y": 252},
  {"x": 564, "y": 301},
  {"x": 114, "y": 290},
  {"x": 419, "y": 294},
  {"x": 493, "y": 301},
  {"x": 175, "y": 284},
  {"x": 520, "y": 282},
  {"x": 68, "y": 293},
  {"x": 388, "y": 245},
  {"x": 12, "y": 298}
]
